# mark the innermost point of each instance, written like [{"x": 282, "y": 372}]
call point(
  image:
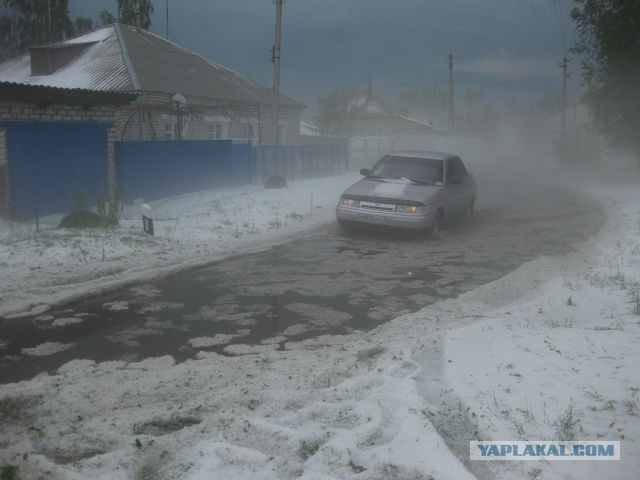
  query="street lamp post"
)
[{"x": 180, "y": 101}]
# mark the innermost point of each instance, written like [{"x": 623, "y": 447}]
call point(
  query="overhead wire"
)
[
  {"x": 541, "y": 29},
  {"x": 561, "y": 23}
]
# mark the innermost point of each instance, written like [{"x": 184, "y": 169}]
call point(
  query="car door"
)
[
  {"x": 455, "y": 187},
  {"x": 467, "y": 186}
]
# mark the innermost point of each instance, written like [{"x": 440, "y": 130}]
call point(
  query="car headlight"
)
[
  {"x": 410, "y": 209},
  {"x": 348, "y": 202}
]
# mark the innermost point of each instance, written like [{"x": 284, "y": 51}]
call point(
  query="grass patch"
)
[
  {"x": 534, "y": 473},
  {"x": 631, "y": 407},
  {"x": 275, "y": 223},
  {"x": 308, "y": 449},
  {"x": 566, "y": 425},
  {"x": 356, "y": 468},
  {"x": 162, "y": 426},
  {"x": 8, "y": 472},
  {"x": 617, "y": 326}
]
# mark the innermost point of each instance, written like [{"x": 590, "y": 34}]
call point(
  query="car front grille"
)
[{"x": 378, "y": 207}]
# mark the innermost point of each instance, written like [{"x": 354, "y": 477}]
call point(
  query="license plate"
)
[{"x": 375, "y": 219}]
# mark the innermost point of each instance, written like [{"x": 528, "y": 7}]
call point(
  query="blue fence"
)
[
  {"x": 295, "y": 162},
  {"x": 159, "y": 169}
]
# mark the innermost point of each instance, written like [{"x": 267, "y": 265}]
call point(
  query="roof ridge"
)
[
  {"x": 127, "y": 59},
  {"x": 186, "y": 50},
  {"x": 249, "y": 83}
]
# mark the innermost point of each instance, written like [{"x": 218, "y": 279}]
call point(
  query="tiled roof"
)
[{"x": 126, "y": 59}]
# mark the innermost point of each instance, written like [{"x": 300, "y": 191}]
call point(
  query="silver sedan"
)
[{"x": 410, "y": 189}]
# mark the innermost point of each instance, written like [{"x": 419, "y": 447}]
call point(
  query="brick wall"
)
[{"x": 154, "y": 117}]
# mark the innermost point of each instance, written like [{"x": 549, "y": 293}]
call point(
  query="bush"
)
[
  {"x": 80, "y": 216},
  {"x": 86, "y": 219}
]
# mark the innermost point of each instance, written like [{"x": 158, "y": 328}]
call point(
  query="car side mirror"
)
[
  {"x": 455, "y": 180},
  {"x": 364, "y": 171}
]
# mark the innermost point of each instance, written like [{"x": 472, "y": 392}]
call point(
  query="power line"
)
[
  {"x": 541, "y": 29},
  {"x": 561, "y": 24}
]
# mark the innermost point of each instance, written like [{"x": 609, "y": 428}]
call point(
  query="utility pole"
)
[
  {"x": 138, "y": 16},
  {"x": 166, "y": 4},
  {"x": 451, "y": 124},
  {"x": 276, "y": 72},
  {"x": 563, "y": 106}
]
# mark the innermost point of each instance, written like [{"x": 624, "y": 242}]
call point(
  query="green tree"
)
[
  {"x": 106, "y": 17},
  {"x": 28, "y": 23},
  {"x": 82, "y": 25},
  {"x": 334, "y": 109},
  {"x": 130, "y": 12},
  {"x": 135, "y": 12},
  {"x": 609, "y": 42},
  {"x": 7, "y": 43}
]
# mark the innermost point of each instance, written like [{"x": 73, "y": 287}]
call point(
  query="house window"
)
[
  {"x": 217, "y": 131},
  {"x": 252, "y": 131},
  {"x": 169, "y": 131}
]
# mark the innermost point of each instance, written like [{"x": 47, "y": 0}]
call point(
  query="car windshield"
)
[{"x": 418, "y": 170}]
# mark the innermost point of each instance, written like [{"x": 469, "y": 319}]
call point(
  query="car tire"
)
[
  {"x": 344, "y": 228},
  {"x": 469, "y": 211},
  {"x": 436, "y": 226}
]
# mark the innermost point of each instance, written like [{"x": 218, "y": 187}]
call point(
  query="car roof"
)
[{"x": 422, "y": 154}]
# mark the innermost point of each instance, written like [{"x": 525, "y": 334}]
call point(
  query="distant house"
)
[
  {"x": 309, "y": 129},
  {"x": 63, "y": 107},
  {"x": 369, "y": 115}
]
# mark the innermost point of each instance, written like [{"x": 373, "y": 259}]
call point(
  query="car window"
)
[
  {"x": 416, "y": 169},
  {"x": 455, "y": 168},
  {"x": 462, "y": 171},
  {"x": 452, "y": 170}
]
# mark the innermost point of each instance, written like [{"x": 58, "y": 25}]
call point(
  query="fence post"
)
[
  {"x": 345, "y": 152},
  {"x": 253, "y": 164},
  {"x": 285, "y": 151},
  {"x": 333, "y": 160}
]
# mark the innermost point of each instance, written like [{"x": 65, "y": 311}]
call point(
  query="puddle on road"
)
[{"x": 328, "y": 283}]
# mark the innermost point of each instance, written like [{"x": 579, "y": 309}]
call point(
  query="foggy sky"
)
[{"x": 504, "y": 47}]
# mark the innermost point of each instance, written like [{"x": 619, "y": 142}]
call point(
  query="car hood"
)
[{"x": 393, "y": 189}]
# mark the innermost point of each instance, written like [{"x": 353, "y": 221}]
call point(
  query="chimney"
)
[
  {"x": 41, "y": 61},
  {"x": 46, "y": 60}
]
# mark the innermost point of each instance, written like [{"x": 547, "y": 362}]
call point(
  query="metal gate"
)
[{"x": 49, "y": 162}]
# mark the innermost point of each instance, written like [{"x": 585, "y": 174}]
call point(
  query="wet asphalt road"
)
[{"x": 329, "y": 282}]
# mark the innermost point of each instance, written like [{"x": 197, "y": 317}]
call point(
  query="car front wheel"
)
[
  {"x": 436, "y": 226},
  {"x": 468, "y": 213}
]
